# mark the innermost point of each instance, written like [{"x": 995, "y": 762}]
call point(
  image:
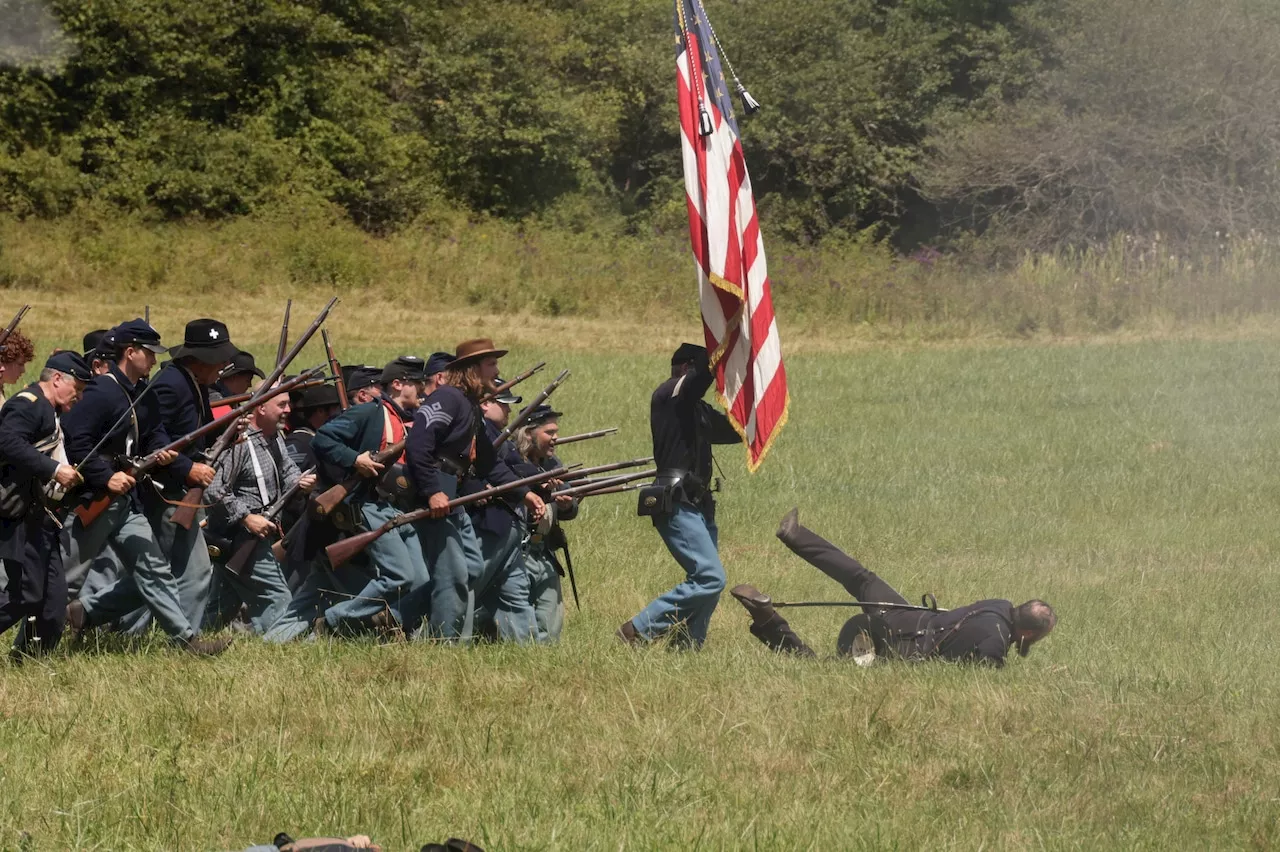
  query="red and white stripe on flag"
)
[{"x": 733, "y": 282}]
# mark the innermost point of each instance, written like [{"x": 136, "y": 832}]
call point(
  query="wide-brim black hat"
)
[
  {"x": 318, "y": 396},
  {"x": 242, "y": 362},
  {"x": 207, "y": 341}
]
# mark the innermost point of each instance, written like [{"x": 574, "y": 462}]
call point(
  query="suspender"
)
[
  {"x": 135, "y": 438},
  {"x": 259, "y": 476}
]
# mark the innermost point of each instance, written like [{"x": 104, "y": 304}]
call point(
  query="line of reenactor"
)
[{"x": 405, "y": 499}]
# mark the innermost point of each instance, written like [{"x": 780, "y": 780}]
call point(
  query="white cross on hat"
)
[{"x": 213, "y": 333}]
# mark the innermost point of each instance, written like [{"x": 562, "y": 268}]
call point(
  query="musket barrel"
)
[
  {"x": 527, "y": 411},
  {"x": 590, "y": 487},
  {"x": 341, "y": 551},
  {"x": 585, "y": 436}
]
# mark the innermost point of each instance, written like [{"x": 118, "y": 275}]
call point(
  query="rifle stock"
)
[
  {"x": 329, "y": 500},
  {"x": 344, "y": 550},
  {"x": 240, "y": 558},
  {"x": 186, "y": 512}
]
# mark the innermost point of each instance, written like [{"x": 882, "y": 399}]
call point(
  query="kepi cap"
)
[
  {"x": 408, "y": 367},
  {"x": 438, "y": 362},
  {"x": 71, "y": 363},
  {"x": 541, "y": 415},
  {"x": 506, "y": 397},
  {"x": 136, "y": 332},
  {"x": 359, "y": 378}
]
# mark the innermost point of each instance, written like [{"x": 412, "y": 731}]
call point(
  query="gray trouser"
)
[
  {"x": 188, "y": 556},
  {"x": 261, "y": 588},
  {"x": 146, "y": 577},
  {"x": 500, "y": 591},
  {"x": 545, "y": 593},
  {"x": 452, "y": 554},
  {"x": 321, "y": 589},
  {"x": 398, "y": 569}
]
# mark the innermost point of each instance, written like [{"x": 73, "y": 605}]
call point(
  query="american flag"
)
[{"x": 733, "y": 283}]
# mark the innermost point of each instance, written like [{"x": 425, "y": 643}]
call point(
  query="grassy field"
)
[{"x": 1129, "y": 484}]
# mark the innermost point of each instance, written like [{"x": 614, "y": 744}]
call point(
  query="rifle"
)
[
  {"x": 506, "y": 386},
  {"x": 336, "y": 369},
  {"x": 617, "y": 489},
  {"x": 330, "y": 498},
  {"x": 240, "y": 558},
  {"x": 586, "y": 436},
  {"x": 591, "y": 486},
  {"x": 89, "y": 512},
  {"x": 527, "y": 411},
  {"x": 284, "y": 333},
  {"x": 605, "y": 468},
  {"x": 341, "y": 551},
  {"x": 186, "y": 512},
  {"x": 146, "y": 314},
  {"x": 13, "y": 324},
  {"x": 248, "y": 395}
]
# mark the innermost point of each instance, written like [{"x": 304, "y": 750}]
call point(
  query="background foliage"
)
[{"x": 1076, "y": 118}]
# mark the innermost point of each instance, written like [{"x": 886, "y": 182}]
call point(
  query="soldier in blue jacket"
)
[
  {"x": 109, "y": 410},
  {"x": 348, "y": 442},
  {"x": 370, "y": 590},
  {"x": 180, "y": 400},
  {"x": 500, "y": 591},
  {"x": 446, "y": 442},
  {"x": 684, "y": 427},
  {"x": 32, "y": 475},
  {"x": 536, "y": 443},
  {"x": 981, "y": 632}
]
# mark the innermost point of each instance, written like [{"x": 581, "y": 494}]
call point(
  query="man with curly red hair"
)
[{"x": 15, "y": 355}]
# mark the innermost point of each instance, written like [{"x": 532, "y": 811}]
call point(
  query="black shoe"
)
[
  {"x": 757, "y": 602},
  {"x": 790, "y": 523},
  {"x": 205, "y": 647}
]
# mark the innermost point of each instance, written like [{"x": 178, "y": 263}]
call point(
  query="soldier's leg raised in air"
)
[
  {"x": 150, "y": 579},
  {"x": 864, "y": 585}
]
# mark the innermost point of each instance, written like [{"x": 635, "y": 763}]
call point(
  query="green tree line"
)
[{"x": 1035, "y": 122}]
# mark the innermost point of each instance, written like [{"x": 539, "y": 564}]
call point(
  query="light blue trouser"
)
[
  {"x": 398, "y": 569},
  {"x": 188, "y": 556},
  {"x": 452, "y": 554},
  {"x": 321, "y": 589},
  {"x": 261, "y": 588},
  {"x": 544, "y": 593},
  {"x": 146, "y": 579},
  {"x": 501, "y": 588},
  {"x": 692, "y": 538}
]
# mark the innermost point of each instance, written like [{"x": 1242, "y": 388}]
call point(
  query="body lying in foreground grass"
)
[{"x": 1131, "y": 486}]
